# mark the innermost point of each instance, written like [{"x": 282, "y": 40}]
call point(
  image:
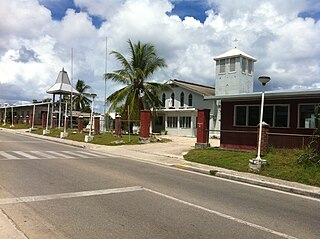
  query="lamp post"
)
[
  {"x": 5, "y": 113},
  {"x": 264, "y": 80},
  {"x": 256, "y": 163}
]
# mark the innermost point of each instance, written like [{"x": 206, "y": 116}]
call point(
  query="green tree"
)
[
  {"x": 82, "y": 101},
  {"x": 137, "y": 93}
]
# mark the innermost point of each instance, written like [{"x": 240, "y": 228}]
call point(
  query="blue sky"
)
[{"x": 193, "y": 8}]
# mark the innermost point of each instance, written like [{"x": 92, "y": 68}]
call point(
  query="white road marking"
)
[
  {"x": 74, "y": 154},
  {"x": 256, "y": 226},
  {"x": 93, "y": 154},
  {"x": 60, "y": 155},
  {"x": 6, "y": 201},
  {"x": 29, "y": 156},
  {"x": 8, "y": 156},
  {"x": 42, "y": 154}
]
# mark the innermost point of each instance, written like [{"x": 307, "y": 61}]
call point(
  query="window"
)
[
  {"x": 172, "y": 121},
  {"x": 185, "y": 122},
  {"x": 190, "y": 100},
  {"x": 232, "y": 64},
  {"x": 274, "y": 115},
  {"x": 241, "y": 115},
  {"x": 307, "y": 117},
  {"x": 268, "y": 114},
  {"x": 281, "y": 116},
  {"x": 172, "y": 99},
  {"x": 244, "y": 64},
  {"x": 182, "y": 99},
  {"x": 254, "y": 115},
  {"x": 250, "y": 66},
  {"x": 222, "y": 66},
  {"x": 163, "y": 103}
]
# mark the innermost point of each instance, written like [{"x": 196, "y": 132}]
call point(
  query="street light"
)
[{"x": 264, "y": 80}]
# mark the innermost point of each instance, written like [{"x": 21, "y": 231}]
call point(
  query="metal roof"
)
[
  {"x": 62, "y": 85},
  {"x": 292, "y": 94},
  {"x": 197, "y": 88},
  {"x": 234, "y": 52}
]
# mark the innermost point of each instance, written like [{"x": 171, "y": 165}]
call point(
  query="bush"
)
[{"x": 309, "y": 157}]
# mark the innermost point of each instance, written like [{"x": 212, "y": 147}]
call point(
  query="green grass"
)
[
  {"x": 282, "y": 163},
  {"x": 16, "y": 126},
  {"x": 102, "y": 139}
]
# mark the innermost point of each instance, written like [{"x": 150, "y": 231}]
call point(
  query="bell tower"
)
[{"x": 234, "y": 73}]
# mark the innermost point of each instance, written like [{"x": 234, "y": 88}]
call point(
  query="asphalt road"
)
[{"x": 52, "y": 190}]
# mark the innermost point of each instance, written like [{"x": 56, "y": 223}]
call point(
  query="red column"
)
[
  {"x": 27, "y": 119},
  {"x": 44, "y": 120},
  {"x": 264, "y": 138},
  {"x": 67, "y": 122},
  {"x": 97, "y": 125},
  {"x": 118, "y": 125},
  {"x": 15, "y": 119},
  {"x": 31, "y": 120},
  {"x": 145, "y": 124},
  {"x": 203, "y": 129},
  {"x": 54, "y": 122},
  {"x": 80, "y": 123}
]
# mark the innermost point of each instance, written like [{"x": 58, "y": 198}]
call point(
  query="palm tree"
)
[
  {"x": 137, "y": 93},
  {"x": 82, "y": 101}
]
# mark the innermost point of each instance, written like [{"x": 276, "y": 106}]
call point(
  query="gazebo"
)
[{"x": 62, "y": 87}]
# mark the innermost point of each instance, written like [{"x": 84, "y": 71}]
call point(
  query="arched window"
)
[
  {"x": 190, "y": 100},
  {"x": 182, "y": 99},
  {"x": 163, "y": 100},
  {"x": 172, "y": 99}
]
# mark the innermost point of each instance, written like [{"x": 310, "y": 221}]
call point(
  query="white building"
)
[
  {"x": 234, "y": 75},
  {"x": 179, "y": 113}
]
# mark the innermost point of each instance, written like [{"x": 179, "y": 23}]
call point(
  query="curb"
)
[{"x": 265, "y": 184}]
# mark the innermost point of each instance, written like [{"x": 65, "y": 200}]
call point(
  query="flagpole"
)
[
  {"x": 71, "y": 103},
  {"x": 105, "y": 86}
]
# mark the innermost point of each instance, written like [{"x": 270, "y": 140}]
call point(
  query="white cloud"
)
[{"x": 287, "y": 47}]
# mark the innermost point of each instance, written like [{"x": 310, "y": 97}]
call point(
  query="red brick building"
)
[{"x": 290, "y": 115}]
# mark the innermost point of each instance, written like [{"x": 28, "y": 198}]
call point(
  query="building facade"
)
[
  {"x": 289, "y": 114},
  {"x": 178, "y": 115}
]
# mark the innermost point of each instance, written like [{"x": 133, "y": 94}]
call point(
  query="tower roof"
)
[
  {"x": 62, "y": 85},
  {"x": 233, "y": 53}
]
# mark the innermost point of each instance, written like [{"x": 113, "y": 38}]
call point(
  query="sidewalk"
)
[{"x": 169, "y": 154}]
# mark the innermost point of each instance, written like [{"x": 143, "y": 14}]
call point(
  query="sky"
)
[{"x": 38, "y": 36}]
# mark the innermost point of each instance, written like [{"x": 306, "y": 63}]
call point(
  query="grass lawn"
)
[
  {"x": 16, "y": 126},
  {"x": 282, "y": 163},
  {"x": 103, "y": 139}
]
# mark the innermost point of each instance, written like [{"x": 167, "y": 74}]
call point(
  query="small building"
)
[{"x": 289, "y": 114}]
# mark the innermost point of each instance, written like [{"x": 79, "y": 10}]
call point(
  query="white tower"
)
[{"x": 234, "y": 73}]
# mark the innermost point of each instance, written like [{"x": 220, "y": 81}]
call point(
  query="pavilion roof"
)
[{"x": 62, "y": 85}]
